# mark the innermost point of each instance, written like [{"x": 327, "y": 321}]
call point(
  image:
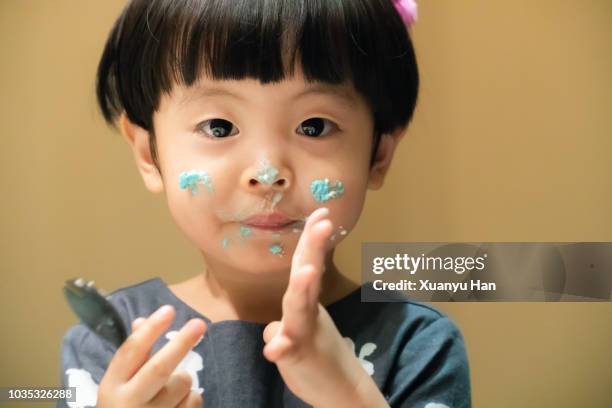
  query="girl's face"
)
[{"x": 234, "y": 150}]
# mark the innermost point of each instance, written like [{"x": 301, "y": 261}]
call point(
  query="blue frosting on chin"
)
[
  {"x": 225, "y": 242},
  {"x": 245, "y": 231},
  {"x": 276, "y": 249}
]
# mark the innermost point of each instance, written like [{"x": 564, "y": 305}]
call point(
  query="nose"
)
[
  {"x": 280, "y": 184},
  {"x": 262, "y": 179}
]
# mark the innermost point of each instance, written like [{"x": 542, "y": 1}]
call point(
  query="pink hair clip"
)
[{"x": 407, "y": 9}]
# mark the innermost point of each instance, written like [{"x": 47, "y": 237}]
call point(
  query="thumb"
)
[{"x": 271, "y": 330}]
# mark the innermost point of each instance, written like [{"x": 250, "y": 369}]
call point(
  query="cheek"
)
[
  {"x": 191, "y": 194},
  {"x": 348, "y": 209},
  {"x": 343, "y": 192}
]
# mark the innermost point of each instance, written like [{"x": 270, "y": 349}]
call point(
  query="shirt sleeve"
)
[
  {"x": 432, "y": 371},
  {"x": 84, "y": 360}
]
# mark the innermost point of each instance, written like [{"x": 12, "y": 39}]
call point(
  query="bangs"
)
[{"x": 156, "y": 44}]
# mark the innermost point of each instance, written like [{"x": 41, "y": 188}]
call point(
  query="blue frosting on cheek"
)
[
  {"x": 190, "y": 179},
  {"x": 322, "y": 190}
]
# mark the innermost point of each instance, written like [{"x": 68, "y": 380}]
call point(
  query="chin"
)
[
  {"x": 267, "y": 268},
  {"x": 258, "y": 256}
]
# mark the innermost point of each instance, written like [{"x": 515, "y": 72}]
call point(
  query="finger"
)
[
  {"x": 270, "y": 330},
  {"x": 299, "y": 314},
  {"x": 137, "y": 323},
  {"x": 316, "y": 215},
  {"x": 192, "y": 400},
  {"x": 278, "y": 348},
  {"x": 133, "y": 353},
  {"x": 155, "y": 373},
  {"x": 314, "y": 254},
  {"x": 311, "y": 249},
  {"x": 176, "y": 389}
]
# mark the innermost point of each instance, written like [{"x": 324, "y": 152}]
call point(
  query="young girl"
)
[{"x": 264, "y": 123}]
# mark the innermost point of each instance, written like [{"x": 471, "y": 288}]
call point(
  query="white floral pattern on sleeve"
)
[
  {"x": 86, "y": 388},
  {"x": 366, "y": 350},
  {"x": 192, "y": 363}
]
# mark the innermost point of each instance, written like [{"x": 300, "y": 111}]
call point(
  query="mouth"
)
[
  {"x": 270, "y": 221},
  {"x": 272, "y": 227}
]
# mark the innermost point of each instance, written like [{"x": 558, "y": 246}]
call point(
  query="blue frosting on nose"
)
[{"x": 268, "y": 174}]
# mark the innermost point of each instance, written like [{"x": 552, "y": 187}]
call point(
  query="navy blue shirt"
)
[{"x": 414, "y": 353}]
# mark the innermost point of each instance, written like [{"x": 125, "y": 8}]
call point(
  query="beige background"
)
[{"x": 511, "y": 142}]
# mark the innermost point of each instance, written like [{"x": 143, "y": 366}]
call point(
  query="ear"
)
[
  {"x": 138, "y": 139},
  {"x": 386, "y": 149}
]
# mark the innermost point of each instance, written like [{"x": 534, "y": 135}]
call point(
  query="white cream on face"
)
[
  {"x": 321, "y": 190},
  {"x": 266, "y": 172}
]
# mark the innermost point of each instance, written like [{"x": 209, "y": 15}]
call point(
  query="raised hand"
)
[
  {"x": 309, "y": 351},
  {"x": 133, "y": 380}
]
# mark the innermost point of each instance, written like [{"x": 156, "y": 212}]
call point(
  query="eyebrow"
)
[{"x": 318, "y": 88}]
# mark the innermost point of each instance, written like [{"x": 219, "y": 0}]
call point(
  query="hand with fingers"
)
[
  {"x": 133, "y": 380},
  {"x": 309, "y": 351}
]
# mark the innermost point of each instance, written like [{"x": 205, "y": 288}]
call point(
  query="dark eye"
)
[
  {"x": 219, "y": 128},
  {"x": 314, "y": 126}
]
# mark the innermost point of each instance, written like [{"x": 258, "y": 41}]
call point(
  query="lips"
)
[{"x": 268, "y": 220}]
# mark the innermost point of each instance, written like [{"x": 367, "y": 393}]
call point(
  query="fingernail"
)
[
  {"x": 321, "y": 224},
  {"x": 195, "y": 326},
  {"x": 320, "y": 212},
  {"x": 162, "y": 312}
]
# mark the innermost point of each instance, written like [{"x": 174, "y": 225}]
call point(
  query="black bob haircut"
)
[{"x": 155, "y": 44}]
